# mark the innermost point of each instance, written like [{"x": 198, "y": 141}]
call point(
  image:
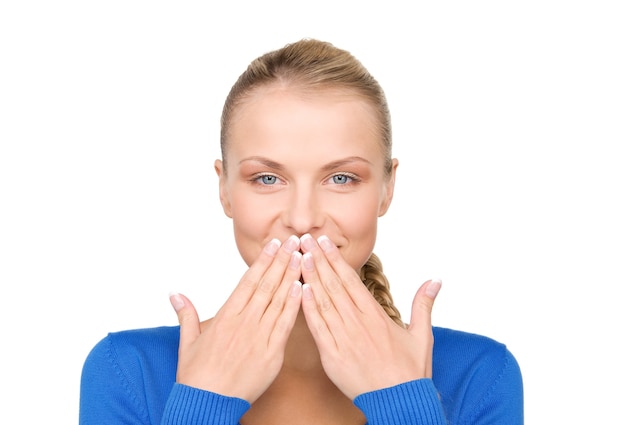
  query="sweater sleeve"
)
[
  {"x": 413, "y": 402},
  {"x": 488, "y": 393},
  {"x": 192, "y": 406},
  {"x": 118, "y": 386}
]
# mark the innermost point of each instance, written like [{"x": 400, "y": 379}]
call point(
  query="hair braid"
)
[{"x": 376, "y": 282}]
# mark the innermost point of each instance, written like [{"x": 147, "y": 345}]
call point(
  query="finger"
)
[
  {"x": 278, "y": 272},
  {"x": 323, "y": 297},
  {"x": 287, "y": 318},
  {"x": 422, "y": 307},
  {"x": 241, "y": 295},
  {"x": 187, "y": 318},
  {"x": 324, "y": 319},
  {"x": 345, "y": 288},
  {"x": 320, "y": 270},
  {"x": 278, "y": 302},
  {"x": 316, "y": 323},
  {"x": 342, "y": 298},
  {"x": 358, "y": 294}
]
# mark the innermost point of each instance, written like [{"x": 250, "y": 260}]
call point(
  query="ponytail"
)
[{"x": 376, "y": 282}]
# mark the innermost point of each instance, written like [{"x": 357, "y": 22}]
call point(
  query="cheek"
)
[
  {"x": 252, "y": 222},
  {"x": 358, "y": 226}
]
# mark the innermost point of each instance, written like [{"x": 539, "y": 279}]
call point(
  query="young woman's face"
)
[{"x": 305, "y": 164}]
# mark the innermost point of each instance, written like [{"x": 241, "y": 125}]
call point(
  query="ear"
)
[
  {"x": 224, "y": 196},
  {"x": 388, "y": 192}
]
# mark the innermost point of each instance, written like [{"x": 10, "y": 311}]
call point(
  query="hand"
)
[
  {"x": 240, "y": 351},
  {"x": 362, "y": 349}
]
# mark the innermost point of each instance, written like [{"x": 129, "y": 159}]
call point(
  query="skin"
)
[
  {"x": 309, "y": 146},
  {"x": 304, "y": 185}
]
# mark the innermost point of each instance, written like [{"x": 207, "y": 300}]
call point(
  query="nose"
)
[{"x": 303, "y": 213}]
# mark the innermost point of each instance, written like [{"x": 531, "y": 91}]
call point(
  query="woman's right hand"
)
[{"x": 240, "y": 351}]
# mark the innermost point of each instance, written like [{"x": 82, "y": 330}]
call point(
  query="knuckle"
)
[
  {"x": 282, "y": 258},
  {"x": 283, "y": 324},
  {"x": 266, "y": 286},
  {"x": 184, "y": 317},
  {"x": 247, "y": 282},
  {"x": 277, "y": 303},
  {"x": 324, "y": 304},
  {"x": 425, "y": 304},
  {"x": 333, "y": 284}
]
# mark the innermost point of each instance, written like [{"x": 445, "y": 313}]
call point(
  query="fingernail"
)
[
  {"x": 433, "y": 288},
  {"x": 272, "y": 247},
  {"x": 294, "y": 261},
  {"x": 307, "y": 242},
  {"x": 308, "y": 261},
  {"x": 306, "y": 291},
  {"x": 292, "y": 243},
  {"x": 177, "y": 301},
  {"x": 325, "y": 243},
  {"x": 295, "y": 289}
]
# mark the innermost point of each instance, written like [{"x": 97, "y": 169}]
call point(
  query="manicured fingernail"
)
[
  {"x": 294, "y": 261},
  {"x": 295, "y": 289},
  {"x": 307, "y": 293},
  {"x": 433, "y": 288},
  {"x": 325, "y": 243},
  {"x": 308, "y": 261},
  {"x": 292, "y": 243},
  {"x": 307, "y": 242},
  {"x": 176, "y": 301},
  {"x": 272, "y": 247}
]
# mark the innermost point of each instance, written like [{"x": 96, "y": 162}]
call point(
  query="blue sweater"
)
[{"x": 129, "y": 378}]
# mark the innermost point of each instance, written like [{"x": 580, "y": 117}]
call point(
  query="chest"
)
[{"x": 297, "y": 400}]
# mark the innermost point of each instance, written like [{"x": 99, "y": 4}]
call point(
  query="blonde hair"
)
[
  {"x": 309, "y": 66},
  {"x": 376, "y": 282}
]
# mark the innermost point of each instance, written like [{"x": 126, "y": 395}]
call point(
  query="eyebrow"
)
[
  {"x": 341, "y": 162},
  {"x": 327, "y": 167},
  {"x": 265, "y": 161}
]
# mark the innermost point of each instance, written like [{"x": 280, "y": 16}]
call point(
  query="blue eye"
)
[
  {"x": 341, "y": 179},
  {"x": 268, "y": 179}
]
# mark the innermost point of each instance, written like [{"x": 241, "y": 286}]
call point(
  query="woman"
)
[{"x": 310, "y": 335}]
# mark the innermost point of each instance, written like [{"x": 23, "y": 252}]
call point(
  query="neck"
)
[
  {"x": 301, "y": 353},
  {"x": 302, "y": 392}
]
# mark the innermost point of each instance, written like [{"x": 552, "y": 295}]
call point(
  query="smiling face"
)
[{"x": 305, "y": 163}]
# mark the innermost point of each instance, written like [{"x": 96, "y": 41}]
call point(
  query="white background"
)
[{"x": 509, "y": 123}]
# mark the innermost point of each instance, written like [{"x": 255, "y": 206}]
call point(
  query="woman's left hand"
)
[{"x": 362, "y": 349}]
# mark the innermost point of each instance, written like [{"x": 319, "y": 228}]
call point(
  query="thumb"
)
[
  {"x": 187, "y": 318},
  {"x": 423, "y": 306}
]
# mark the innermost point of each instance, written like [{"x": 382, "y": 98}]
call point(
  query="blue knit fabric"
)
[{"x": 129, "y": 378}]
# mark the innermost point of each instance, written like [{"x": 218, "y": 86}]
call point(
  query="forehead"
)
[{"x": 279, "y": 115}]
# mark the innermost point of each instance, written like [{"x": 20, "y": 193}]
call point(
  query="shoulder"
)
[
  {"x": 455, "y": 342},
  {"x": 465, "y": 352},
  {"x": 129, "y": 374},
  {"x": 128, "y": 352},
  {"x": 474, "y": 372},
  {"x": 136, "y": 342}
]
